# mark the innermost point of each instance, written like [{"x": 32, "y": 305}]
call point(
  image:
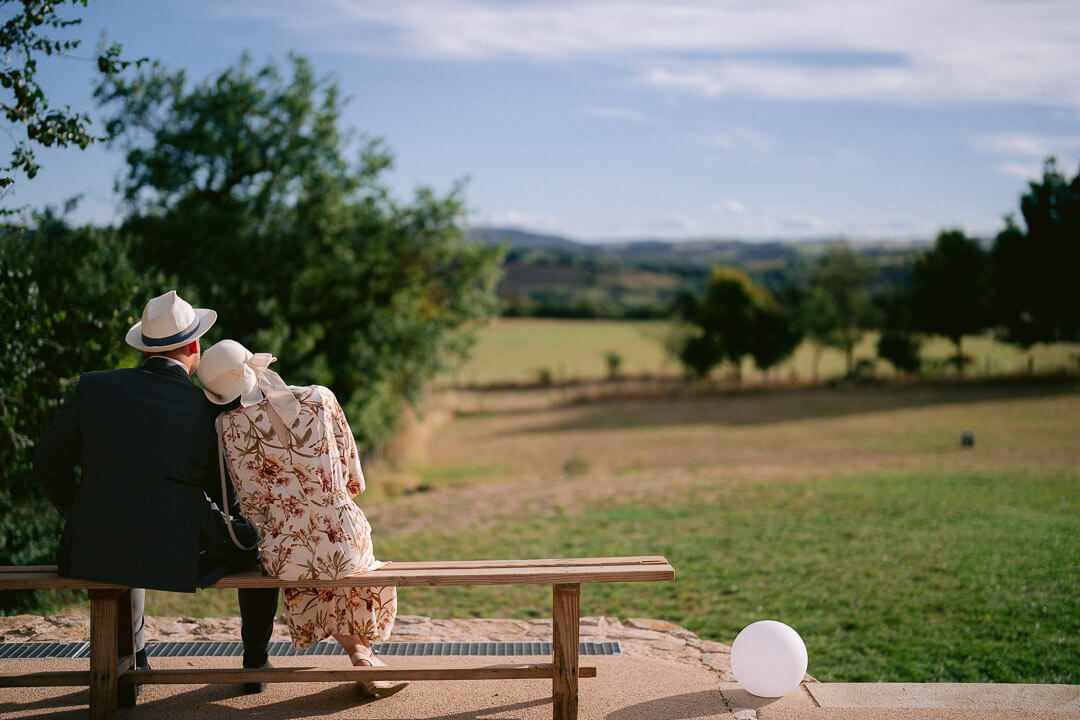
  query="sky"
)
[{"x": 676, "y": 119}]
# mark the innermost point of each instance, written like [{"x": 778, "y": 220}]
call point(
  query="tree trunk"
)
[{"x": 959, "y": 341}]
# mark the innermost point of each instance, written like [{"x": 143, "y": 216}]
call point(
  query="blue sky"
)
[{"x": 609, "y": 120}]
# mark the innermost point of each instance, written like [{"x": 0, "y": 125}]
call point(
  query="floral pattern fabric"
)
[{"x": 299, "y": 494}]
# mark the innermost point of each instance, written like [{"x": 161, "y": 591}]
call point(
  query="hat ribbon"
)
[{"x": 269, "y": 385}]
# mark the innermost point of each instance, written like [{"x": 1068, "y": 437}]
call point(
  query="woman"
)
[{"x": 295, "y": 468}]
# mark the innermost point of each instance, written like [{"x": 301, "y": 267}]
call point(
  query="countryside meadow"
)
[
  {"x": 576, "y": 301},
  {"x": 852, "y": 513}
]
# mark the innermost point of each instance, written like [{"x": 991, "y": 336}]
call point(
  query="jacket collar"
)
[{"x": 161, "y": 365}]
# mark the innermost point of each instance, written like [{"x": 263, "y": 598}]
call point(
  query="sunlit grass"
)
[
  {"x": 965, "y": 577},
  {"x": 517, "y": 349}
]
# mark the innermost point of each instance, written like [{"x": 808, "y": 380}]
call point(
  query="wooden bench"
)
[{"x": 112, "y": 645}]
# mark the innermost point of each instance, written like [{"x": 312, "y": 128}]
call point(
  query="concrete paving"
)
[
  {"x": 947, "y": 695},
  {"x": 908, "y": 701},
  {"x": 627, "y": 688}
]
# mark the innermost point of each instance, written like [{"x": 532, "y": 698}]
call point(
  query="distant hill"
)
[
  {"x": 550, "y": 275},
  {"x": 727, "y": 251}
]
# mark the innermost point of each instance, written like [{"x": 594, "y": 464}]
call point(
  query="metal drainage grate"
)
[
  {"x": 234, "y": 648},
  {"x": 29, "y": 650}
]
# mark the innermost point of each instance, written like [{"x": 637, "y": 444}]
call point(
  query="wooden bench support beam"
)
[
  {"x": 325, "y": 674},
  {"x": 565, "y": 618},
  {"x": 291, "y": 674},
  {"x": 104, "y": 613}
]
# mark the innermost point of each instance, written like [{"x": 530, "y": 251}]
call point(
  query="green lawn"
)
[
  {"x": 517, "y": 349},
  {"x": 961, "y": 577}
]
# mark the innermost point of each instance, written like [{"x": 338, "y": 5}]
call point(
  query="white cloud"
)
[
  {"x": 906, "y": 51},
  {"x": 629, "y": 115},
  {"x": 679, "y": 224},
  {"x": 1027, "y": 144},
  {"x": 518, "y": 220},
  {"x": 740, "y": 138},
  {"x": 1022, "y": 170},
  {"x": 731, "y": 205}
]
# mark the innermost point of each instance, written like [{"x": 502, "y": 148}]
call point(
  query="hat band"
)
[{"x": 173, "y": 339}]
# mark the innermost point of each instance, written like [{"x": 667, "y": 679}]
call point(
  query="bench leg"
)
[
  {"x": 104, "y": 605},
  {"x": 564, "y": 644}
]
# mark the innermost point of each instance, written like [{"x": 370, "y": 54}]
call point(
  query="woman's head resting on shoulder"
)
[
  {"x": 229, "y": 371},
  {"x": 225, "y": 372}
]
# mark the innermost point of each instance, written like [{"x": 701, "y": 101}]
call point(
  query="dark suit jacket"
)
[{"x": 145, "y": 440}]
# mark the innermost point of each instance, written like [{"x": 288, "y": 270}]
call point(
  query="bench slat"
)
[
  {"x": 555, "y": 562},
  {"x": 405, "y": 574},
  {"x": 466, "y": 576},
  {"x": 440, "y": 564}
]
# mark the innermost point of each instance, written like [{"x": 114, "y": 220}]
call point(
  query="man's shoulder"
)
[
  {"x": 104, "y": 377},
  {"x": 140, "y": 379}
]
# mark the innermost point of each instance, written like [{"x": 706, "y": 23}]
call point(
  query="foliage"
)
[
  {"x": 839, "y": 307},
  {"x": 735, "y": 318},
  {"x": 775, "y": 336},
  {"x": 24, "y": 38},
  {"x": 64, "y": 308},
  {"x": 951, "y": 288},
  {"x": 240, "y": 193},
  {"x": 820, "y": 320},
  {"x": 1037, "y": 298},
  {"x": 612, "y": 361},
  {"x": 901, "y": 348}
]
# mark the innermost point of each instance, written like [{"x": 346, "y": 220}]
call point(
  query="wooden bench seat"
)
[{"x": 112, "y": 646}]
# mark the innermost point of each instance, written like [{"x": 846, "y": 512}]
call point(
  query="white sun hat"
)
[
  {"x": 169, "y": 322},
  {"x": 221, "y": 372},
  {"x": 228, "y": 370}
]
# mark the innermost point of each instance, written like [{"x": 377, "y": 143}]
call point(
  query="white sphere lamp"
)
[{"x": 768, "y": 658}]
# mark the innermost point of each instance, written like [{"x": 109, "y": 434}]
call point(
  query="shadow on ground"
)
[
  {"x": 765, "y": 407},
  {"x": 707, "y": 703}
]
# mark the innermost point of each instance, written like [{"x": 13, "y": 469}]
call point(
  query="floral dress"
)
[{"x": 299, "y": 495}]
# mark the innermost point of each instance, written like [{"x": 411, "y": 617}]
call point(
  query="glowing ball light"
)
[{"x": 768, "y": 658}]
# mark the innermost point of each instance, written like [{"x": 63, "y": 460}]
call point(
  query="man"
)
[{"x": 140, "y": 514}]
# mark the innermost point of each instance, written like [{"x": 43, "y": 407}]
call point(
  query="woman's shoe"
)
[{"x": 376, "y": 688}]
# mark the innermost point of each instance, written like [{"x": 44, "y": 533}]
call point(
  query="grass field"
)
[
  {"x": 853, "y": 515},
  {"x": 517, "y": 349}
]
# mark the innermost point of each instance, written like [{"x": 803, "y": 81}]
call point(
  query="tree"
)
[
  {"x": 24, "y": 39},
  {"x": 733, "y": 319},
  {"x": 612, "y": 361},
  {"x": 951, "y": 289},
  {"x": 820, "y": 321},
  {"x": 775, "y": 336},
  {"x": 240, "y": 193},
  {"x": 65, "y": 304},
  {"x": 900, "y": 348},
  {"x": 1036, "y": 296},
  {"x": 838, "y": 292}
]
